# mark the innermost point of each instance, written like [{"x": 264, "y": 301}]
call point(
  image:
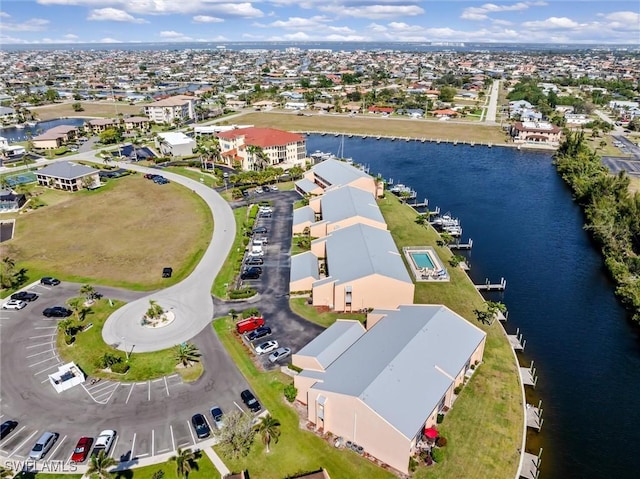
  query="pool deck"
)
[{"x": 426, "y": 275}]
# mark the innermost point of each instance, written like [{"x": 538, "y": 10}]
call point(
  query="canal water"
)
[
  {"x": 527, "y": 229},
  {"x": 14, "y": 134}
]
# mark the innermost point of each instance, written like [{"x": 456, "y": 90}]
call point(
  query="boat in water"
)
[
  {"x": 446, "y": 221},
  {"x": 403, "y": 191},
  {"x": 454, "y": 231},
  {"x": 31, "y": 123},
  {"x": 19, "y": 126}
]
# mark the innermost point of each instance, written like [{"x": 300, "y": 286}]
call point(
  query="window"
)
[{"x": 347, "y": 295}]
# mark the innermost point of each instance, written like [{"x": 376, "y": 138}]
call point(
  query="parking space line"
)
[
  {"x": 166, "y": 386},
  {"x": 38, "y": 354},
  {"x": 173, "y": 441},
  {"x": 23, "y": 443},
  {"x": 111, "y": 395},
  {"x": 148, "y": 390},
  {"x": 172, "y": 376},
  {"x": 42, "y": 336},
  {"x": 156, "y": 380},
  {"x": 39, "y": 345},
  {"x": 153, "y": 438},
  {"x": 133, "y": 444},
  {"x": 130, "y": 391},
  {"x": 142, "y": 455},
  {"x": 47, "y": 369},
  {"x": 100, "y": 388},
  {"x": 14, "y": 434},
  {"x": 43, "y": 361},
  {"x": 46, "y": 327},
  {"x": 57, "y": 447},
  {"x": 193, "y": 438},
  {"x": 113, "y": 448},
  {"x": 162, "y": 451}
]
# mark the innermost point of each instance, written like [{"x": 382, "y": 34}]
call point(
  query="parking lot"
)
[{"x": 150, "y": 417}]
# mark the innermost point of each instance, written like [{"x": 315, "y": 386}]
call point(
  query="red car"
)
[{"x": 82, "y": 449}]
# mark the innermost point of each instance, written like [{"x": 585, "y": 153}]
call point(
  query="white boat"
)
[
  {"x": 446, "y": 220},
  {"x": 453, "y": 230},
  {"x": 403, "y": 191},
  {"x": 19, "y": 126},
  {"x": 31, "y": 123}
]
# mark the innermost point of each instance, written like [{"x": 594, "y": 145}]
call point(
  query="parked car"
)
[
  {"x": 167, "y": 272},
  {"x": 249, "y": 324},
  {"x": 161, "y": 181},
  {"x": 249, "y": 274},
  {"x": 81, "y": 451},
  {"x": 14, "y": 304},
  {"x": 279, "y": 354},
  {"x": 265, "y": 214},
  {"x": 253, "y": 260},
  {"x": 267, "y": 347},
  {"x": 260, "y": 230},
  {"x": 24, "y": 296},
  {"x": 57, "y": 312},
  {"x": 49, "y": 281},
  {"x": 261, "y": 332},
  {"x": 274, "y": 187},
  {"x": 7, "y": 427},
  {"x": 200, "y": 425},
  {"x": 216, "y": 414},
  {"x": 250, "y": 400},
  {"x": 42, "y": 445},
  {"x": 266, "y": 189},
  {"x": 150, "y": 176},
  {"x": 253, "y": 269},
  {"x": 104, "y": 442},
  {"x": 259, "y": 190}
]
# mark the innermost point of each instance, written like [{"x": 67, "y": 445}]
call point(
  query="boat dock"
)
[
  {"x": 534, "y": 416},
  {"x": 531, "y": 465},
  {"x": 488, "y": 286},
  {"x": 528, "y": 375},
  {"x": 393, "y": 138},
  {"x": 517, "y": 341},
  {"x": 461, "y": 246}
]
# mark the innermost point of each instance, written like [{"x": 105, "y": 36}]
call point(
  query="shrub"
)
[
  {"x": 290, "y": 392},
  {"x": 295, "y": 368},
  {"x": 247, "y": 313},
  {"x": 413, "y": 464},
  {"x": 437, "y": 455},
  {"x": 457, "y": 390},
  {"x": 441, "y": 441},
  {"x": 159, "y": 474},
  {"x": 242, "y": 293},
  {"x": 107, "y": 360},
  {"x": 440, "y": 418},
  {"x": 69, "y": 339},
  {"x": 120, "y": 368}
]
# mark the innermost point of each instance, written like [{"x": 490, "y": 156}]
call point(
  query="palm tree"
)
[
  {"x": 89, "y": 291},
  {"x": 187, "y": 353},
  {"x": 155, "y": 311},
  {"x": 100, "y": 464},
  {"x": 6, "y": 472},
  {"x": 183, "y": 460},
  {"x": 269, "y": 428},
  {"x": 75, "y": 305}
]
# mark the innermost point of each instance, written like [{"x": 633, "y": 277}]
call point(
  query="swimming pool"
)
[{"x": 422, "y": 260}]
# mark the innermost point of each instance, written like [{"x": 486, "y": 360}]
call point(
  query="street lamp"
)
[{"x": 125, "y": 348}]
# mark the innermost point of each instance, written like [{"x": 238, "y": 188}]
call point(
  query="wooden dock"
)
[
  {"x": 534, "y": 416},
  {"x": 528, "y": 375},
  {"x": 459, "y": 245},
  {"x": 488, "y": 286},
  {"x": 531, "y": 465},
  {"x": 516, "y": 340}
]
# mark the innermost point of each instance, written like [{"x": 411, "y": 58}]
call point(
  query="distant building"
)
[
  {"x": 331, "y": 173},
  {"x": 137, "y": 123},
  {"x": 175, "y": 144},
  {"x": 278, "y": 148},
  {"x": 11, "y": 201},
  {"x": 535, "y": 132},
  {"x": 99, "y": 125},
  {"x": 68, "y": 176},
  {"x": 169, "y": 110},
  {"x": 55, "y": 137}
]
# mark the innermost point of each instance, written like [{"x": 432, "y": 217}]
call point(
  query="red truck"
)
[{"x": 249, "y": 324}]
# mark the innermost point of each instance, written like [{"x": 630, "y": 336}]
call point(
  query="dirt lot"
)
[
  {"x": 122, "y": 234},
  {"x": 104, "y": 109},
  {"x": 366, "y": 125}
]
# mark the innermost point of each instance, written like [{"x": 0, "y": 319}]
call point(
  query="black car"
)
[
  {"x": 49, "y": 281},
  {"x": 254, "y": 260},
  {"x": 201, "y": 426},
  {"x": 7, "y": 427},
  {"x": 250, "y": 400},
  {"x": 24, "y": 296},
  {"x": 261, "y": 332},
  {"x": 266, "y": 189},
  {"x": 253, "y": 269},
  {"x": 250, "y": 274},
  {"x": 260, "y": 229},
  {"x": 167, "y": 272},
  {"x": 57, "y": 312},
  {"x": 265, "y": 214}
]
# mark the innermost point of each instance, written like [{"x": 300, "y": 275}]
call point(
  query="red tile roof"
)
[
  {"x": 445, "y": 112},
  {"x": 262, "y": 137}
]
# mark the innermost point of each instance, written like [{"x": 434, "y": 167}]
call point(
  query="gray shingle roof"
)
[
  {"x": 337, "y": 172},
  {"x": 333, "y": 341},
  {"x": 362, "y": 250},
  {"x": 402, "y": 367},
  {"x": 66, "y": 170},
  {"x": 304, "y": 265},
  {"x": 346, "y": 202},
  {"x": 303, "y": 215},
  {"x": 306, "y": 185}
]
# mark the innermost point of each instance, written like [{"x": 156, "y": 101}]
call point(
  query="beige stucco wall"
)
[
  {"x": 306, "y": 362},
  {"x": 304, "y": 284},
  {"x": 366, "y": 184},
  {"x": 354, "y": 220},
  {"x": 374, "y": 291},
  {"x": 316, "y": 204},
  {"x": 47, "y": 144},
  {"x": 323, "y": 294},
  {"x": 318, "y": 248},
  {"x": 319, "y": 229},
  {"x": 299, "y": 228}
]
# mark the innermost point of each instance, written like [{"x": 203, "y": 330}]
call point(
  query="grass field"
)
[
  {"x": 366, "y": 125},
  {"x": 91, "y": 109},
  {"x": 228, "y": 271},
  {"x": 484, "y": 427},
  {"x": 202, "y": 469},
  {"x": 297, "y": 450},
  {"x": 89, "y": 347},
  {"x": 122, "y": 234},
  {"x": 300, "y": 307}
]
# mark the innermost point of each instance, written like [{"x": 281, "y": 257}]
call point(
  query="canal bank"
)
[{"x": 526, "y": 228}]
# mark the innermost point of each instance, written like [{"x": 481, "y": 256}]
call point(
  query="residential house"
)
[
  {"x": 338, "y": 208},
  {"x": 99, "y": 125},
  {"x": 380, "y": 387},
  {"x": 577, "y": 118},
  {"x": 55, "y": 137},
  {"x": 175, "y": 143},
  {"x": 384, "y": 110},
  {"x": 331, "y": 173},
  {"x": 295, "y": 105},
  {"x": 235, "y": 105},
  {"x": 356, "y": 267},
  {"x": 141, "y": 123},
  {"x": 9, "y": 200},
  {"x": 256, "y": 148},
  {"x": 445, "y": 113},
  {"x": 68, "y": 176},
  {"x": 179, "y": 108},
  {"x": 535, "y": 132}
]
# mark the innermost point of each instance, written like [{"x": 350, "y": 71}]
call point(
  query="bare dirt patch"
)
[
  {"x": 91, "y": 109},
  {"x": 122, "y": 234}
]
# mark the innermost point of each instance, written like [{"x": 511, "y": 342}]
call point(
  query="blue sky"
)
[{"x": 112, "y": 21}]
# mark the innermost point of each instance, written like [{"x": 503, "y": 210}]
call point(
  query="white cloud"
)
[
  {"x": 4, "y": 15},
  {"x": 298, "y": 22},
  {"x": 113, "y": 15},
  {"x": 175, "y": 36},
  {"x": 480, "y": 13},
  {"x": 207, "y": 19},
  {"x": 373, "y": 11},
  {"x": 31, "y": 25},
  {"x": 6, "y": 40},
  {"x": 109, "y": 40},
  {"x": 551, "y": 23},
  {"x": 623, "y": 20}
]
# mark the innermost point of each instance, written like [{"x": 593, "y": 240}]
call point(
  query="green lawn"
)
[
  {"x": 231, "y": 266},
  {"x": 326, "y": 319},
  {"x": 484, "y": 427},
  {"x": 298, "y": 450},
  {"x": 196, "y": 175},
  {"x": 202, "y": 469},
  {"x": 42, "y": 475},
  {"x": 89, "y": 347}
]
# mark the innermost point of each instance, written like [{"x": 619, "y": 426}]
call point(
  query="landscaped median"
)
[{"x": 297, "y": 450}]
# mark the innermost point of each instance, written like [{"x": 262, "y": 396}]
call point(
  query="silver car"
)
[
  {"x": 279, "y": 354},
  {"x": 42, "y": 445}
]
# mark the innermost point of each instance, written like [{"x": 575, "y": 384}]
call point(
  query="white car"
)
[
  {"x": 14, "y": 304},
  {"x": 274, "y": 188},
  {"x": 104, "y": 442},
  {"x": 267, "y": 347},
  {"x": 279, "y": 354},
  {"x": 259, "y": 189}
]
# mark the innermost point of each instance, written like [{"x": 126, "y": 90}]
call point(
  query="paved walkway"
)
[{"x": 492, "y": 108}]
